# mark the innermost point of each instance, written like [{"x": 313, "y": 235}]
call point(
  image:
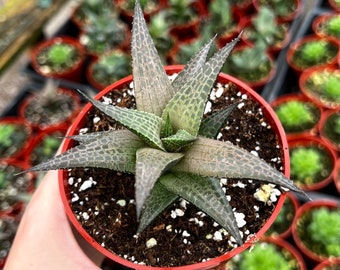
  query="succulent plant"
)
[{"x": 166, "y": 144}]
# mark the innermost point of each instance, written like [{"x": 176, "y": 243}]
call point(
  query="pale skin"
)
[{"x": 45, "y": 240}]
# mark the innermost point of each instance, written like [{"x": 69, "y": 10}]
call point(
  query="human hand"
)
[{"x": 44, "y": 239}]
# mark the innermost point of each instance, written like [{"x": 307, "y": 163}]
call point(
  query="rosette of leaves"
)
[
  {"x": 314, "y": 52},
  {"x": 103, "y": 32},
  {"x": 167, "y": 146},
  {"x": 297, "y": 115},
  {"x": 58, "y": 57},
  {"x": 111, "y": 67}
]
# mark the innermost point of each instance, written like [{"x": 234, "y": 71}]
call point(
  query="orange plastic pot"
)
[{"x": 214, "y": 262}]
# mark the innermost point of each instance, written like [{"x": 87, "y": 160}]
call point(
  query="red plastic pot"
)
[
  {"x": 78, "y": 123},
  {"x": 283, "y": 19},
  {"x": 321, "y": 20},
  {"x": 244, "y": 7},
  {"x": 328, "y": 265},
  {"x": 305, "y": 40},
  {"x": 317, "y": 98},
  {"x": 299, "y": 98},
  {"x": 311, "y": 141},
  {"x": 73, "y": 73},
  {"x": 38, "y": 126},
  {"x": 334, "y": 5},
  {"x": 309, "y": 206},
  {"x": 22, "y": 124},
  {"x": 326, "y": 115}
]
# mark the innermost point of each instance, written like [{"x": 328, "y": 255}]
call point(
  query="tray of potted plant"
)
[{"x": 176, "y": 162}]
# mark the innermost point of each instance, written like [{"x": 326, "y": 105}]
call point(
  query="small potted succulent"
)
[
  {"x": 285, "y": 11},
  {"x": 312, "y": 51},
  {"x": 103, "y": 33},
  {"x": 251, "y": 64},
  {"x": 86, "y": 8},
  {"x": 59, "y": 57},
  {"x": 298, "y": 115},
  {"x": 108, "y": 68},
  {"x": 15, "y": 137},
  {"x": 316, "y": 230},
  {"x": 222, "y": 21},
  {"x": 165, "y": 159},
  {"x": 268, "y": 253},
  {"x": 322, "y": 85},
  {"x": 13, "y": 186},
  {"x": 327, "y": 25},
  {"x": 263, "y": 27},
  {"x": 329, "y": 128},
  {"x": 312, "y": 163},
  {"x": 282, "y": 226},
  {"x": 184, "y": 18},
  {"x": 51, "y": 106}
]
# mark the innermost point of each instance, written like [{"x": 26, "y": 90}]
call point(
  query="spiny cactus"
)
[{"x": 166, "y": 144}]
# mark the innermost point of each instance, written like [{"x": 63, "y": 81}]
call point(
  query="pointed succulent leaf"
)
[
  {"x": 150, "y": 164},
  {"x": 147, "y": 126},
  {"x": 212, "y": 158},
  {"x": 159, "y": 200},
  {"x": 212, "y": 125},
  {"x": 207, "y": 194},
  {"x": 115, "y": 150},
  {"x": 193, "y": 66},
  {"x": 88, "y": 137},
  {"x": 186, "y": 108},
  {"x": 180, "y": 139},
  {"x": 152, "y": 87},
  {"x": 167, "y": 129}
]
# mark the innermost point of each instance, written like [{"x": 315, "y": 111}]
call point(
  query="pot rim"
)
[{"x": 269, "y": 114}]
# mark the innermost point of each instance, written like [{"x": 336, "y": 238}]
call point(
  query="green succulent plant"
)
[
  {"x": 333, "y": 26},
  {"x": 12, "y": 137},
  {"x": 324, "y": 231},
  {"x": 295, "y": 115},
  {"x": 281, "y": 8},
  {"x": 166, "y": 144},
  {"x": 92, "y": 7}
]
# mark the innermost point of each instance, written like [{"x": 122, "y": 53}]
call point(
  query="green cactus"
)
[{"x": 166, "y": 144}]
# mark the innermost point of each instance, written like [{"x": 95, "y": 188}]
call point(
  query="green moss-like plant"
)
[
  {"x": 325, "y": 229},
  {"x": 331, "y": 128},
  {"x": 281, "y": 8},
  {"x": 314, "y": 52},
  {"x": 111, "y": 67},
  {"x": 332, "y": 26},
  {"x": 171, "y": 151},
  {"x": 264, "y": 255},
  {"x": 12, "y": 138},
  {"x": 309, "y": 164},
  {"x": 297, "y": 115}
]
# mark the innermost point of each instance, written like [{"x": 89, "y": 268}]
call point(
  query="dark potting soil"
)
[{"x": 103, "y": 200}]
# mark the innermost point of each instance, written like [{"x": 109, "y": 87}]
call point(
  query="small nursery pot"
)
[
  {"x": 301, "y": 129},
  {"x": 322, "y": 28},
  {"x": 59, "y": 123},
  {"x": 293, "y": 55},
  {"x": 78, "y": 124},
  {"x": 328, "y": 264},
  {"x": 296, "y": 7},
  {"x": 323, "y": 176},
  {"x": 336, "y": 176},
  {"x": 11, "y": 149},
  {"x": 334, "y": 5},
  {"x": 301, "y": 220},
  {"x": 73, "y": 73},
  {"x": 317, "y": 89},
  {"x": 329, "y": 128}
]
